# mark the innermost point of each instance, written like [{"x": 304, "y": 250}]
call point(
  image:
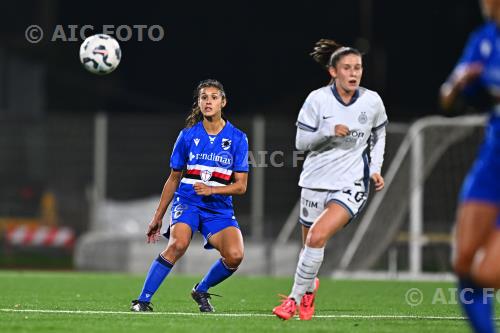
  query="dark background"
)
[{"x": 259, "y": 50}]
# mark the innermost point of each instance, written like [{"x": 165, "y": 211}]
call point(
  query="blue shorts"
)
[
  {"x": 483, "y": 180},
  {"x": 207, "y": 222}
]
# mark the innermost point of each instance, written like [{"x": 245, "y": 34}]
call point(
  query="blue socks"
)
[
  {"x": 217, "y": 273},
  {"x": 157, "y": 273},
  {"x": 161, "y": 267},
  {"x": 477, "y": 304}
]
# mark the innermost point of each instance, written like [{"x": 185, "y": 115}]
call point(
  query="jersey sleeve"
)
[
  {"x": 472, "y": 51},
  {"x": 476, "y": 50},
  {"x": 377, "y": 150},
  {"x": 381, "y": 116},
  {"x": 377, "y": 143},
  {"x": 308, "y": 119},
  {"x": 179, "y": 157},
  {"x": 311, "y": 132},
  {"x": 241, "y": 155}
]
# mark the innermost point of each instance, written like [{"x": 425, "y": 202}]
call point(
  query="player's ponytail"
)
[
  {"x": 328, "y": 52},
  {"x": 323, "y": 50},
  {"x": 196, "y": 115}
]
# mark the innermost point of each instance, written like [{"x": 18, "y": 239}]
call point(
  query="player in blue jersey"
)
[
  {"x": 477, "y": 254},
  {"x": 209, "y": 163}
]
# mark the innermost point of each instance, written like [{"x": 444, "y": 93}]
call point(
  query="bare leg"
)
[
  {"x": 180, "y": 237},
  {"x": 229, "y": 243},
  {"x": 475, "y": 223},
  {"x": 476, "y": 234}
]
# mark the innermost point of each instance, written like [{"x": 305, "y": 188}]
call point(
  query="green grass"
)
[{"x": 251, "y": 299}]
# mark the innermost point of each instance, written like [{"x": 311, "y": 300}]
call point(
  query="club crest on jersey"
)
[
  {"x": 226, "y": 144},
  {"x": 363, "y": 118},
  {"x": 212, "y": 139},
  {"x": 205, "y": 175},
  {"x": 196, "y": 141}
]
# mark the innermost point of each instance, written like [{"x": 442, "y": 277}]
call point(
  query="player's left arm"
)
[
  {"x": 377, "y": 157},
  {"x": 237, "y": 187},
  {"x": 378, "y": 146}
]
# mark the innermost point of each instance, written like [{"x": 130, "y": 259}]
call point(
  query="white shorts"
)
[{"x": 313, "y": 202}]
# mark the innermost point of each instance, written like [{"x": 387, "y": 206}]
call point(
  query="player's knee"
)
[
  {"x": 487, "y": 277},
  {"x": 233, "y": 258},
  {"x": 315, "y": 239},
  {"x": 177, "y": 247},
  {"x": 462, "y": 264}
]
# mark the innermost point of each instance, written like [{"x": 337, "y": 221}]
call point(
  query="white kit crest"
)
[
  {"x": 205, "y": 175},
  {"x": 363, "y": 118}
]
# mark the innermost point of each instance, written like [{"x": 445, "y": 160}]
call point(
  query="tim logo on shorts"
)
[{"x": 310, "y": 204}]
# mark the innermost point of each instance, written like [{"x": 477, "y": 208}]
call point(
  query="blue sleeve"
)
[
  {"x": 472, "y": 51},
  {"x": 241, "y": 155},
  {"x": 178, "y": 159}
]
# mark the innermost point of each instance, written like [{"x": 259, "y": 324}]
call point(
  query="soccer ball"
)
[{"x": 100, "y": 54}]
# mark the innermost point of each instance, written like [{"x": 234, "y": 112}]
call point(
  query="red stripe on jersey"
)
[
  {"x": 221, "y": 175},
  {"x": 214, "y": 174}
]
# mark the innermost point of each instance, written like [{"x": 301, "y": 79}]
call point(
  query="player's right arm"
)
[
  {"x": 178, "y": 162},
  {"x": 311, "y": 131},
  {"x": 169, "y": 188},
  {"x": 457, "y": 82},
  {"x": 467, "y": 70}
]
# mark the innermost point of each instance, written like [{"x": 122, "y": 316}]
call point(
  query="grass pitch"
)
[{"x": 99, "y": 302}]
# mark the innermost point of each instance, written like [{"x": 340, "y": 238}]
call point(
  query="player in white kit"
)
[{"x": 342, "y": 126}]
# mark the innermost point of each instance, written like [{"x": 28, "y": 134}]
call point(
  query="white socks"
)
[
  {"x": 307, "y": 269},
  {"x": 312, "y": 286}
]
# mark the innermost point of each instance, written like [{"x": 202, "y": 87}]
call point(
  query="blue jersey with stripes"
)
[{"x": 211, "y": 159}]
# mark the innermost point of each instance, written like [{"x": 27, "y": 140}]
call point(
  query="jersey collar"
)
[
  {"x": 337, "y": 96},
  {"x": 227, "y": 125}
]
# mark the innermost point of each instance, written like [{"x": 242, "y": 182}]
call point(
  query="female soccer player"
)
[
  {"x": 477, "y": 253},
  {"x": 334, "y": 125},
  {"x": 209, "y": 163}
]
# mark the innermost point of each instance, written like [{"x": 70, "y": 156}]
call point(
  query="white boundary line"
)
[{"x": 339, "y": 316}]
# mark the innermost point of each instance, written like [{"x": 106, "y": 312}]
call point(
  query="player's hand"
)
[
  {"x": 341, "y": 130},
  {"x": 378, "y": 181},
  {"x": 153, "y": 232},
  {"x": 203, "y": 189}
]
